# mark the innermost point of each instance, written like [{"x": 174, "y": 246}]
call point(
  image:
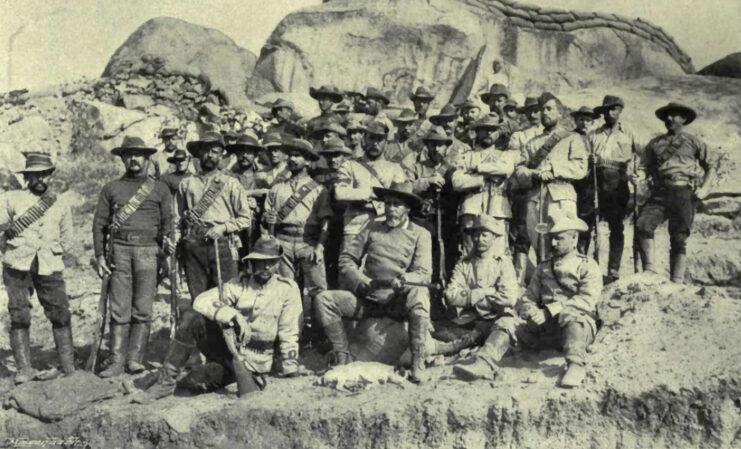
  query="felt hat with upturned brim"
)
[
  {"x": 489, "y": 122},
  {"x": 325, "y": 126},
  {"x": 437, "y": 134},
  {"x": 687, "y": 111},
  {"x": 560, "y": 223},
  {"x": 531, "y": 104},
  {"x": 446, "y": 114},
  {"x": 265, "y": 248},
  {"x": 335, "y": 145},
  {"x": 496, "y": 90},
  {"x": 329, "y": 91},
  {"x": 208, "y": 139},
  {"x": 585, "y": 111},
  {"x": 246, "y": 142},
  {"x": 488, "y": 223},
  {"x": 511, "y": 104},
  {"x": 376, "y": 128},
  {"x": 133, "y": 144},
  {"x": 303, "y": 146},
  {"x": 355, "y": 125},
  {"x": 468, "y": 104},
  {"x": 402, "y": 191},
  {"x": 179, "y": 155},
  {"x": 421, "y": 93},
  {"x": 608, "y": 102},
  {"x": 37, "y": 162},
  {"x": 405, "y": 116},
  {"x": 372, "y": 92},
  {"x": 168, "y": 132}
]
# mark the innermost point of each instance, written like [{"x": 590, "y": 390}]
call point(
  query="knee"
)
[
  {"x": 20, "y": 317},
  {"x": 418, "y": 299},
  {"x": 325, "y": 306},
  {"x": 678, "y": 242},
  {"x": 60, "y": 316},
  {"x": 192, "y": 327}
]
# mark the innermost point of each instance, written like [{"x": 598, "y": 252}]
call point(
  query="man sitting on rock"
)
[
  {"x": 396, "y": 252},
  {"x": 560, "y": 304},
  {"x": 483, "y": 289}
]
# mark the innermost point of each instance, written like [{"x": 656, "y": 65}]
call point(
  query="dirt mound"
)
[{"x": 730, "y": 67}]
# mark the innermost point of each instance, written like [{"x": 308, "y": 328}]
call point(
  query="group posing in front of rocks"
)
[{"x": 359, "y": 213}]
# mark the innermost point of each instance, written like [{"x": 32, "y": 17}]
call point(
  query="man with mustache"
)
[
  {"x": 261, "y": 307},
  {"x": 283, "y": 112},
  {"x": 298, "y": 211},
  {"x": 36, "y": 230},
  {"x": 134, "y": 217},
  {"x": 469, "y": 113},
  {"x": 377, "y": 101},
  {"x": 421, "y": 98},
  {"x": 356, "y": 138},
  {"x": 447, "y": 119},
  {"x": 497, "y": 99},
  {"x": 403, "y": 145},
  {"x": 326, "y": 97},
  {"x": 549, "y": 164},
  {"x": 560, "y": 304},
  {"x": 277, "y": 169},
  {"x": 210, "y": 207},
  {"x": 672, "y": 162},
  {"x": 395, "y": 251}
]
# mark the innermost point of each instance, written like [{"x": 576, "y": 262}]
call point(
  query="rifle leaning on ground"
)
[
  {"x": 440, "y": 242},
  {"x": 637, "y": 259},
  {"x": 103, "y": 312},
  {"x": 595, "y": 186},
  {"x": 174, "y": 295}
]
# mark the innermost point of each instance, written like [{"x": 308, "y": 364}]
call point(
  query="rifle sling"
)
[
  {"x": 547, "y": 146},
  {"x": 372, "y": 171},
  {"x": 297, "y": 197},
  {"x": 670, "y": 151},
  {"x": 131, "y": 206},
  {"x": 30, "y": 216}
]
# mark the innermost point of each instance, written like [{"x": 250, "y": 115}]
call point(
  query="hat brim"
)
[
  {"x": 604, "y": 107},
  {"x": 306, "y": 153},
  {"x": 384, "y": 100},
  {"x": 194, "y": 148},
  {"x": 526, "y": 109},
  {"x": 316, "y": 94},
  {"x": 435, "y": 119},
  {"x": 121, "y": 150},
  {"x": 411, "y": 200},
  {"x": 242, "y": 147},
  {"x": 485, "y": 97},
  {"x": 545, "y": 228},
  {"x": 421, "y": 97},
  {"x": 345, "y": 151},
  {"x": 261, "y": 256},
  {"x": 174, "y": 160},
  {"x": 593, "y": 116},
  {"x": 49, "y": 168},
  {"x": 688, "y": 112},
  {"x": 446, "y": 140},
  {"x": 476, "y": 127}
]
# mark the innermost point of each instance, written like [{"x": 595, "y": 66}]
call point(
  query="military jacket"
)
[
  {"x": 688, "y": 156},
  {"x": 614, "y": 148},
  {"x": 309, "y": 212},
  {"x": 481, "y": 176}
]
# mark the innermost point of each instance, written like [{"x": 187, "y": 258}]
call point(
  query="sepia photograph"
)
[{"x": 381, "y": 224}]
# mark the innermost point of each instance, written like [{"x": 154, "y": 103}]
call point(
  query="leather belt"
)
[
  {"x": 677, "y": 180},
  {"x": 295, "y": 230},
  {"x": 615, "y": 165},
  {"x": 135, "y": 236}
]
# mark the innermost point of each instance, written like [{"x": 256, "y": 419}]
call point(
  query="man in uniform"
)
[
  {"x": 396, "y": 251},
  {"x": 377, "y": 101},
  {"x": 583, "y": 120},
  {"x": 134, "y": 215},
  {"x": 298, "y": 212},
  {"x": 549, "y": 164},
  {"x": 560, "y": 304},
  {"x": 261, "y": 306},
  {"x": 326, "y": 97},
  {"x": 446, "y": 119},
  {"x": 422, "y": 99},
  {"x": 496, "y": 99},
  {"x": 169, "y": 142},
  {"x": 211, "y": 210},
  {"x": 343, "y": 110},
  {"x": 180, "y": 161},
  {"x": 510, "y": 111},
  {"x": 672, "y": 161},
  {"x": 402, "y": 144},
  {"x": 469, "y": 113},
  {"x": 325, "y": 130},
  {"x": 356, "y": 138},
  {"x": 283, "y": 112},
  {"x": 36, "y": 229},
  {"x": 483, "y": 291},
  {"x": 278, "y": 169}
]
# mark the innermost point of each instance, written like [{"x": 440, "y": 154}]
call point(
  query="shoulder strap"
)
[
  {"x": 547, "y": 146},
  {"x": 372, "y": 171},
  {"x": 30, "y": 216},
  {"x": 296, "y": 198},
  {"x": 558, "y": 281},
  {"x": 131, "y": 206},
  {"x": 671, "y": 149},
  {"x": 208, "y": 198}
]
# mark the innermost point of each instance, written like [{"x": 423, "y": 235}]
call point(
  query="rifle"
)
[
  {"x": 103, "y": 312},
  {"x": 386, "y": 283},
  {"x": 440, "y": 242},
  {"x": 637, "y": 259},
  {"x": 541, "y": 236},
  {"x": 174, "y": 296},
  {"x": 595, "y": 185}
]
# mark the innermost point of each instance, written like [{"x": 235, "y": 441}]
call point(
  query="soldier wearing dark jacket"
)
[
  {"x": 134, "y": 213},
  {"x": 673, "y": 164}
]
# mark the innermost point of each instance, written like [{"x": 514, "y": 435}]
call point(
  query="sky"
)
[{"x": 53, "y": 41}]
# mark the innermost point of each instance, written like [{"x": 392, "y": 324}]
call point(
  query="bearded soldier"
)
[
  {"x": 134, "y": 214},
  {"x": 496, "y": 99},
  {"x": 36, "y": 233},
  {"x": 446, "y": 119},
  {"x": 403, "y": 145},
  {"x": 469, "y": 113}
]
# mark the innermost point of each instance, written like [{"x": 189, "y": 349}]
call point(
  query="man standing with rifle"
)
[
  {"x": 587, "y": 201},
  {"x": 135, "y": 214},
  {"x": 36, "y": 232}
]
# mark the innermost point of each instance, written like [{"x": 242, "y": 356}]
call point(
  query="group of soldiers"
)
[{"x": 285, "y": 236}]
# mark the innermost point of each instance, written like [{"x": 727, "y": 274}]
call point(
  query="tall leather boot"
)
[
  {"x": 19, "y": 341},
  {"x": 647, "y": 248},
  {"x": 521, "y": 268},
  {"x": 119, "y": 339},
  {"x": 137, "y": 347},
  {"x": 679, "y": 265},
  {"x": 417, "y": 333},
  {"x": 167, "y": 376},
  {"x": 65, "y": 349},
  {"x": 336, "y": 335},
  {"x": 485, "y": 364}
]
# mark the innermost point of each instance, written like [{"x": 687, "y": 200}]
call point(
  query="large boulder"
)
[
  {"x": 169, "y": 46},
  {"x": 730, "y": 67},
  {"x": 400, "y": 44}
]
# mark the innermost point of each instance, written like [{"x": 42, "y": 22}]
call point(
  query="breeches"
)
[{"x": 50, "y": 290}]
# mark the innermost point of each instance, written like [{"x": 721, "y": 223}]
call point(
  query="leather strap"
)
[
  {"x": 30, "y": 216},
  {"x": 372, "y": 171},
  {"x": 547, "y": 146},
  {"x": 209, "y": 196},
  {"x": 297, "y": 197}
]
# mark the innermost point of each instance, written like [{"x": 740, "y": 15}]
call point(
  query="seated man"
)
[
  {"x": 396, "y": 252},
  {"x": 560, "y": 304},
  {"x": 483, "y": 289},
  {"x": 261, "y": 307}
]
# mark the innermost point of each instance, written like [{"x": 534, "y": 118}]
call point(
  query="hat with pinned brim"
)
[
  {"x": 133, "y": 145},
  {"x": 561, "y": 223},
  {"x": 405, "y": 116},
  {"x": 686, "y": 111},
  {"x": 37, "y": 162},
  {"x": 265, "y": 248},
  {"x": 207, "y": 140},
  {"x": 402, "y": 191}
]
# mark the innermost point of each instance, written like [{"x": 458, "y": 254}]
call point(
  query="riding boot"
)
[
  {"x": 679, "y": 265},
  {"x": 485, "y": 363},
  {"x": 521, "y": 260},
  {"x": 336, "y": 335},
  {"x": 417, "y": 333},
  {"x": 167, "y": 376},
  {"x": 65, "y": 349},
  {"x": 19, "y": 341},
  {"x": 119, "y": 339},
  {"x": 137, "y": 347},
  {"x": 647, "y": 249}
]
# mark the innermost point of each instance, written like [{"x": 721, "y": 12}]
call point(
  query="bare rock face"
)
[
  {"x": 730, "y": 67},
  {"x": 400, "y": 44},
  {"x": 164, "y": 47}
]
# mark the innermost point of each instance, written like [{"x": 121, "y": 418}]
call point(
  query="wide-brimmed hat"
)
[
  {"x": 585, "y": 111},
  {"x": 608, "y": 102},
  {"x": 272, "y": 140},
  {"x": 402, "y": 191},
  {"x": 511, "y": 104},
  {"x": 355, "y": 125},
  {"x": 377, "y": 128},
  {"x": 560, "y": 222},
  {"x": 489, "y": 122},
  {"x": 335, "y": 145},
  {"x": 168, "y": 132},
  {"x": 421, "y": 93},
  {"x": 327, "y": 90},
  {"x": 229, "y": 134},
  {"x": 437, "y": 134},
  {"x": 352, "y": 93},
  {"x": 468, "y": 104},
  {"x": 281, "y": 103},
  {"x": 545, "y": 97},
  {"x": 209, "y": 138},
  {"x": 177, "y": 156},
  {"x": 246, "y": 142},
  {"x": 303, "y": 146},
  {"x": 685, "y": 110},
  {"x": 37, "y": 162},
  {"x": 489, "y": 223},
  {"x": 496, "y": 90},
  {"x": 446, "y": 114},
  {"x": 265, "y": 248},
  {"x": 531, "y": 103},
  {"x": 378, "y": 94},
  {"x": 343, "y": 106},
  {"x": 405, "y": 116},
  {"x": 324, "y": 126},
  {"x": 133, "y": 144}
]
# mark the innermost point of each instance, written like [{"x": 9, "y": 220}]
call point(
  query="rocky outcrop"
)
[
  {"x": 402, "y": 43},
  {"x": 730, "y": 67},
  {"x": 169, "y": 53}
]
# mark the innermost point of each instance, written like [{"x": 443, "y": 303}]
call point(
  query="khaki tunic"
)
[{"x": 482, "y": 196}]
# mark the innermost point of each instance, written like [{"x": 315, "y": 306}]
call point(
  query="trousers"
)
[
  {"x": 133, "y": 283},
  {"x": 199, "y": 259},
  {"x": 49, "y": 289}
]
